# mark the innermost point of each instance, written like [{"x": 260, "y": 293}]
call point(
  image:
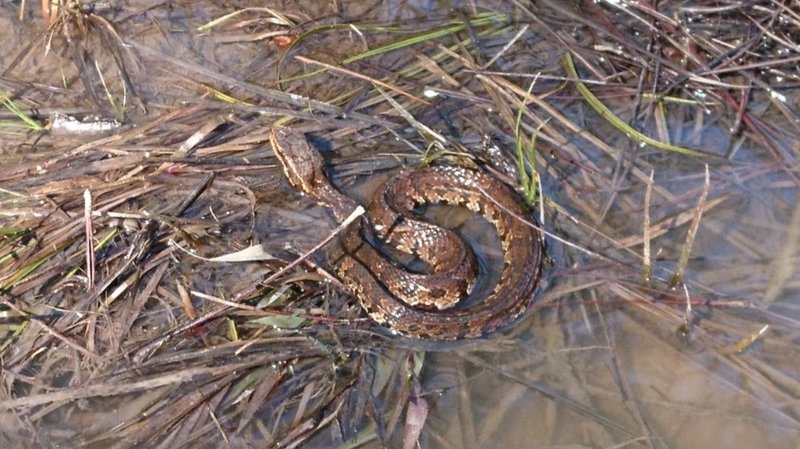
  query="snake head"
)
[{"x": 302, "y": 165}]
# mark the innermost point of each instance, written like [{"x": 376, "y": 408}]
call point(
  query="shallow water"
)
[{"x": 602, "y": 360}]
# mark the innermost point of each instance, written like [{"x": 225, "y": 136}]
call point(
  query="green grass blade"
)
[
  {"x": 450, "y": 28},
  {"x": 618, "y": 123},
  {"x": 11, "y": 106}
]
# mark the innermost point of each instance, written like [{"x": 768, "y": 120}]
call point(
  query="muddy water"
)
[{"x": 605, "y": 359}]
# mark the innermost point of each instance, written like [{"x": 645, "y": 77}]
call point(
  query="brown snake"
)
[{"x": 413, "y": 304}]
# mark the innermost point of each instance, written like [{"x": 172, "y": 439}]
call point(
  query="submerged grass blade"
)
[
  {"x": 745, "y": 342},
  {"x": 362, "y": 77},
  {"x": 15, "y": 252},
  {"x": 436, "y": 33},
  {"x": 102, "y": 243},
  {"x": 421, "y": 128},
  {"x": 23, "y": 272},
  {"x": 13, "y": 232},
  {"x": 616, "y": 122},
  {"x": 526, "y": 156},
  {"x": 647, "y": 267},
  {"x": 686, "y": 251},
  {"x": 219, "y": 21},
  {"x": 29, "y": 121},
  {"x": 453, "y": 27}
]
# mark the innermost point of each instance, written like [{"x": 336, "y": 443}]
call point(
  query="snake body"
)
[{"x": 422, "y": 305}]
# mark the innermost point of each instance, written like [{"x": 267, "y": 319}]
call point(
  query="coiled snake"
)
[{"x": 422, "y": 305}]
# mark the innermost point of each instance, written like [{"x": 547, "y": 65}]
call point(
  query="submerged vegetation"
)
[{"x": 161, "y": 286}]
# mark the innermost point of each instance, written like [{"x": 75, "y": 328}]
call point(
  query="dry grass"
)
[{"x": 615, "y": 117}]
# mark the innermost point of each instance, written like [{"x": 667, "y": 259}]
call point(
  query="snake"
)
[{"x": 422, "y": 304}]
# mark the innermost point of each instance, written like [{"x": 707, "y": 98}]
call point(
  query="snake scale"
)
[{"x": 422, "y": 305}]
